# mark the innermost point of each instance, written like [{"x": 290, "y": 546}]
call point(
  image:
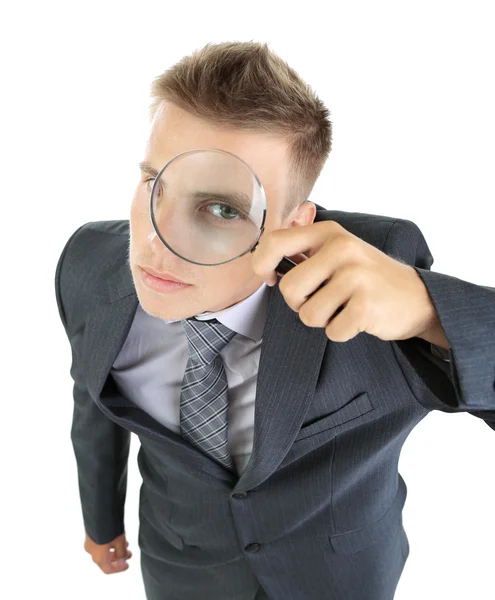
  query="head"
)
[{"x": 241, "y": 98}]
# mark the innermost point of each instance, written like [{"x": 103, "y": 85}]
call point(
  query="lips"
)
[{"x": 165, "y": 276}]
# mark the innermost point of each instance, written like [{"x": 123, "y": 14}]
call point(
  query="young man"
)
[{"x": 312, "y": 404}]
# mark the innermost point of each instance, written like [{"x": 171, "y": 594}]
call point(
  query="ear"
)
[
  {"x": 304, "y": 214},
  {"x": 311, "y": 211}
]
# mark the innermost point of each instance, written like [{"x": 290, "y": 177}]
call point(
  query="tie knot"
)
[{"x": 206, "y": 339}]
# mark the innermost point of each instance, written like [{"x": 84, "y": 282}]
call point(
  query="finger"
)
[
  {"x": 347, "y": 324},
  {"x": 323, "y": 271},
  {"x": 120, "y": 549},
  {"x": 117, "y": 557},
  {"x": 326, "y": 303},
  {"x": 289, "y": 242},
  {"x": 116, "y": 566},
  {"x": 117, "y": 563}
]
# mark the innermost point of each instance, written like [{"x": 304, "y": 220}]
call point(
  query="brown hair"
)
[{"x": 246, "y": 85}]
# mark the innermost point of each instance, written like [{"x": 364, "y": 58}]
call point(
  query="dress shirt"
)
[{"x": 152, "y": 361}]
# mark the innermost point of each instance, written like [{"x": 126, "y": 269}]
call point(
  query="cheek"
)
[
  {"x": 237, "y": 274},
  {"x": 140, "y": 201},
  {"x": 140, "y": 225},
  {"x": 139, "y": 219}
]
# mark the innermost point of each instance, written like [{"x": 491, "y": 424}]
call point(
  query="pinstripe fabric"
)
[
  {"x": 317, "y": 512},
  {"x": 203, "y": 399}
]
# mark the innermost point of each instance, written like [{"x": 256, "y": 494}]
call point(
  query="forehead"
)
[{"x": 174, "y": 130}]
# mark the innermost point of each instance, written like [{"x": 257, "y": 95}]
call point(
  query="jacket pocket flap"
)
[{"x": 356, "y": 407}]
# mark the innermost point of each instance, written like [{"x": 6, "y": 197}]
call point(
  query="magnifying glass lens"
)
[{"x": 207, "y": 206}]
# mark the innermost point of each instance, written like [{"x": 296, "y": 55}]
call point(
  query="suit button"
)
[
  {"x": 240, "y": 495},
  {"x": 252, "y": 548}
]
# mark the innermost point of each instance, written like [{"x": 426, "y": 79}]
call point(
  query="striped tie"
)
[{"x": 203, "y": 399}]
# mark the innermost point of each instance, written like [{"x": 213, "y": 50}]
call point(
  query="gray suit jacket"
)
[{"x": 318, "y": 511}]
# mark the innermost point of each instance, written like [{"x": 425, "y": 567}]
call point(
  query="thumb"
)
[{"x": 121, "y": 554}]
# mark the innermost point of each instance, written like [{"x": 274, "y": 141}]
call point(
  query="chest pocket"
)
[{"x": 354, "y": 408}]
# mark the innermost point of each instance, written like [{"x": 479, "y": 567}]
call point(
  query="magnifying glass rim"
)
[{"x": 263, "y": 198}]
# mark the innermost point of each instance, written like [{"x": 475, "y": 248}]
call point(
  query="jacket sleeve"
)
[
  {"x": 465, "y": 383},
  {"x": 101, "y": 446}
]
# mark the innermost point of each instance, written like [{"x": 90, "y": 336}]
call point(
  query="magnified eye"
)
[{"x": 225, "y": 212}]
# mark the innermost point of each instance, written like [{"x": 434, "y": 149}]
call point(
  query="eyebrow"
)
[
  {"x": 145, "y": 167},
  {"x": 236, "y": 200}
]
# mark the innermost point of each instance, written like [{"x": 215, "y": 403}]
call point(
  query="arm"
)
[
  {"x": 466, "y": 313},
  {"x": 101, "y": 447}
]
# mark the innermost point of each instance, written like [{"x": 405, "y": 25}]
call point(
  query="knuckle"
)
[
  {"x": 289, "y": 290},
  {"x": 345, "y": 245},
  {"x": 365, "y": 307},
  {"x": 285, "y": 286},
  {"x": 307, "y": 315},
  {"x": 331, "y": 225},
  {"x": 303, "y": 316}
]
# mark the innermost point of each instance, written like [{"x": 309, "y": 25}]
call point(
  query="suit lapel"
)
[{"x": 290, "y": 361}]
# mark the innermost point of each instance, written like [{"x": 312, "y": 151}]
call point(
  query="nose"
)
[
  {"x": 158, "y": 247},
  {"x": 166, "y": 257},
  {"x": 156, "y": 243}
]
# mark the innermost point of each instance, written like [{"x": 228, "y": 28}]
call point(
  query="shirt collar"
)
[{"x": 247, "y": 317}]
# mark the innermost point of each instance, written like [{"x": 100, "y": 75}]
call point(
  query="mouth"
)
[
  {"x": 161, "y": 285},
  {"x": 163, "y": 276}
]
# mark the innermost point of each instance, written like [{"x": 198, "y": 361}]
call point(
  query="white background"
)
[{"x": 410, "y": 87}]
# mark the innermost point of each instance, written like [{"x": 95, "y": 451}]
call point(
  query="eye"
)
[
  {"x": 225, "y": 212},
  {"x": 149, "y": 185}
]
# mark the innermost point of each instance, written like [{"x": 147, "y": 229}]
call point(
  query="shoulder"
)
[
  {"x": 92, "y": 244},
  {"x": 90, "y": 254},
  {"x": 372, "y": 228}
]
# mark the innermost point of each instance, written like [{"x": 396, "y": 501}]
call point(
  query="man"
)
[{"x": 325, "y": 371}]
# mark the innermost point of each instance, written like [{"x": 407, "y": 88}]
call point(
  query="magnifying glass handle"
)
[{"x": 285, "y": 265}]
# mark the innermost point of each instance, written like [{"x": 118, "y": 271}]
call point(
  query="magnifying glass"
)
[{"x": 208, "y": 207}]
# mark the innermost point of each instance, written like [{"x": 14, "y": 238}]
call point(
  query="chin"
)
[
  {"x": 167, "y": 315},
  {"x": 164, "y": 306}
]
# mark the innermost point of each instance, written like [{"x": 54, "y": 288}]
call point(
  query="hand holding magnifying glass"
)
[
  {"x": 208, "y": 207},
  {"x": 348, "y": 286}
]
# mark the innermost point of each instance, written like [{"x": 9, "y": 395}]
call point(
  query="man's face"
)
[{"x": 212, "y": 288}]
